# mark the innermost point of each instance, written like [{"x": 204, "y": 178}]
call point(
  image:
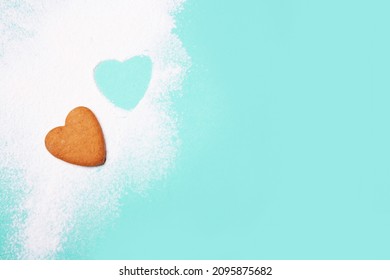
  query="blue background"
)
[{"x": 286, "y": 143}]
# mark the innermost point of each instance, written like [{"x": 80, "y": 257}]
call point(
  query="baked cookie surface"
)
[{"x": 80, "y": 141}]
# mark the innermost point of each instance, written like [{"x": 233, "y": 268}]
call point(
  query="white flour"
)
[{"x": 47, "y": 55}]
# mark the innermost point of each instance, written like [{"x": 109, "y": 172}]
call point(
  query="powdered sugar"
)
[{"x": 46, "y": 71}]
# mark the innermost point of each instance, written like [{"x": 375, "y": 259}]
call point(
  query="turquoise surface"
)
[
  {"x": 285, "y": 139},
  {"x": 112, "y": 79},
  {"x": 286, "y": 142}
]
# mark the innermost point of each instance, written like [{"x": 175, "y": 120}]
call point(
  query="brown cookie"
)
[{"x": 80, "y": 141}]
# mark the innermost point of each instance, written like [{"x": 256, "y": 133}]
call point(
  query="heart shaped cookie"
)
[{"x": 80, "y": 141}]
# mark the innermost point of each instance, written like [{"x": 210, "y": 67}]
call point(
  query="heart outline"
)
[{"x": 124, "y": 83}]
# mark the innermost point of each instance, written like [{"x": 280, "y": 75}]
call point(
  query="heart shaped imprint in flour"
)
[
  {"x": 124, "y": 83},
  {"x": 80, "y": 141}
]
